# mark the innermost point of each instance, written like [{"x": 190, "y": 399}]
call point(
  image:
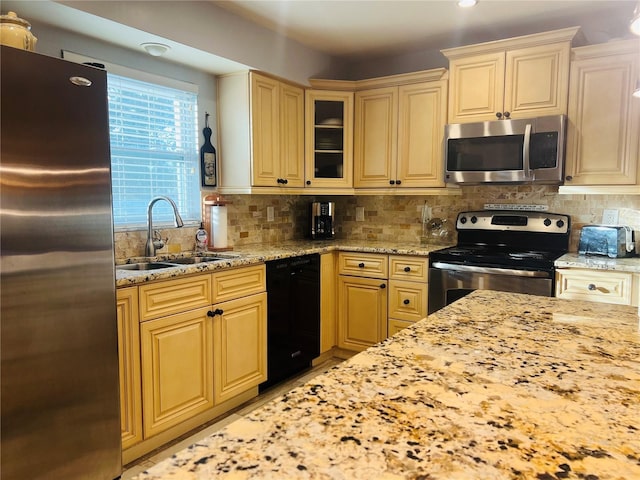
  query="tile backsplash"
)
[{"x": 397, "y": 217}]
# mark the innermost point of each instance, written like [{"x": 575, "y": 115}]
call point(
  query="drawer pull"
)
[
  {"x": 406, "y": 301},
  {"x": 591, "y": 287},
  {"x": 382, "y": 285},
  {"x": 407, "y": 269},
  {"x": 361, "y": 265},
  {"x": 217, "y": 311}
]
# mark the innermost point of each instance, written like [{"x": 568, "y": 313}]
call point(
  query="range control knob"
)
[
  {"x": 463, "y": 220},
  {"x": 547, "y": 222},
  {"x": 560, "y": 223},
  {"x": 474, "y": 219}
]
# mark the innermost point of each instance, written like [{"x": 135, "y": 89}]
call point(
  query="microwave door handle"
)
[{"x": 526, "y": 150}]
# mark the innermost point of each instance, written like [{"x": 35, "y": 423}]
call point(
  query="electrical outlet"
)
[
  {"x": 610, "y": 217},
  {"x": 270, "y": 214},
  {"x": 359, "y": 214}
]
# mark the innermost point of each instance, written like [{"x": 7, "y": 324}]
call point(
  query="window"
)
[
  {"x": 154, "y": 151},
  {"x": 154, "y": 145}
]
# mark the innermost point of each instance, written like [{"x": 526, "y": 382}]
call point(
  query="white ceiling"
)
[
  {"x": 365, "y": 28},
  {"x": 358, "y": 29}
]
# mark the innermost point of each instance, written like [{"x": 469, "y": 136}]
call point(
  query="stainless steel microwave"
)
[{"x": 506, "y": 151}]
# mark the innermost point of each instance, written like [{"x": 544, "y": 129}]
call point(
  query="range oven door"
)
[{"x": 448, "y": 282}]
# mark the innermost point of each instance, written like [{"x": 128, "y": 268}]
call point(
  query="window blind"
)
[{"x": 154, "y": 151}]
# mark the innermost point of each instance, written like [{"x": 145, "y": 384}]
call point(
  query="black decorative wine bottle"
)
[{"x": 208, "y": 164}]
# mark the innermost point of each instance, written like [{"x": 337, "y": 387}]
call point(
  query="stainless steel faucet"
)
[{"x": 153, "y": 243}]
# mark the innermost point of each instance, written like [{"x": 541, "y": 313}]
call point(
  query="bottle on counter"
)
[{"x": 202, "y": 239}]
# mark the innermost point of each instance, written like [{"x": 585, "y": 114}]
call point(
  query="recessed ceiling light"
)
[
  {"x": 155, "y": 49},
  {"x": 467, "y": 3}
]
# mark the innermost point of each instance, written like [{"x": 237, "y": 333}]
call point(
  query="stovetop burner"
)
[{"x": 526, "y": 240}]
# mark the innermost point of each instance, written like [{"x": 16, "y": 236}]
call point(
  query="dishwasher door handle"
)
[{"x": 492, "y": 270}]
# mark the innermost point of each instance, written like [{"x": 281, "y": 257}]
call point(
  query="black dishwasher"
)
[{"x": 293, "y": 316}]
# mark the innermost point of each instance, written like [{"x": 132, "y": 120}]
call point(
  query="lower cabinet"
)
[
  {"x": 378, "y": 295},
  {"x": 190, "y": 349},
  {"x": 177, "y": 369},
  {"x": 239, "y": 345},
  {"x": 129, "y": 364},
  {"x": 615, "y": 287},
  {"x": 362, "y": 314}
]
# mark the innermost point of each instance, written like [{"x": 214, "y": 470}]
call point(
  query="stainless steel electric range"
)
[{"x": 511, "y": 251}]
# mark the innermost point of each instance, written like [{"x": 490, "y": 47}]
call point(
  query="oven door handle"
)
[{"x": 496, "y": 271}]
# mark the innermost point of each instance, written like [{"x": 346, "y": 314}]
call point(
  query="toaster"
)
[{"x": 610, "y": 240}]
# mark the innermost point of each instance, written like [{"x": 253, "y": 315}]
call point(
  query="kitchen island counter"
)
[{"x": 494, "y": 386}]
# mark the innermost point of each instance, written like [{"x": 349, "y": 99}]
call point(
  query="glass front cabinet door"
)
[{"x": 329, "y": 139}]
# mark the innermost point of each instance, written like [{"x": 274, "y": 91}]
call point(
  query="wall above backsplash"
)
[{"x": 397, "y": 218}]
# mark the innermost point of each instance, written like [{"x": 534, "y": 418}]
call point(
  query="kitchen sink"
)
[
  {"x": 145, "y": 266},
  {"x": 194, "y": 260}
]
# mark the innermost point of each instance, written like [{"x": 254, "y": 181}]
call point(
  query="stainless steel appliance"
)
[
  {"x": 506, "y": 151},
  {"x": 293, "y": 309},
  {"x": 610, "y": 240},
  {"x": 322, "y": 220},
  {"x": 59, "y": 361},
  {"x": 510, "y": 251}
]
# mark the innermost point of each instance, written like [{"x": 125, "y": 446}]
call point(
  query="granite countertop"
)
[
  {"x": 594, "y": 262},
  {"x": 494, "y": 386},
  {"x": 252, "y": 254}
]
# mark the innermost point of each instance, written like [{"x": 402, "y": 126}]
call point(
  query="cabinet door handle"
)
[
  {"x": 406, "y": 301},
  {"x": 407, "y": 269},
  {"x": 392, "y": 182},
  {"x": 568, "y": 178},
  {"x": 308, "y": 182},
  {"x": 592, "y": 287},
  {"x": 398, "y": 182},
  {"x": 361, "y": 265},
  {"x": 285, "y": 181},
  {"x": 507, "y": 114},
  {"x": 499, "y": 114},
  {"x": 217, "y": 311},
  {"x": 383, "y": 285}
]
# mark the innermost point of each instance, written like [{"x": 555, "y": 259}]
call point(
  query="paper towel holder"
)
[{"x": 217, "y": 232}]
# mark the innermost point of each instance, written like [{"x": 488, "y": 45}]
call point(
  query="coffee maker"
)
[{"x": 322, "y": 220}]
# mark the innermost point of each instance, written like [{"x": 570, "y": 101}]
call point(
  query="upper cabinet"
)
[
  {"x": 603, "y": 135},
  {"x": 514, "y": 78},
  {"x": 261, "y": 133},
  {"x": 329, "y": 135},
  {"x": 399, "y": 123}
]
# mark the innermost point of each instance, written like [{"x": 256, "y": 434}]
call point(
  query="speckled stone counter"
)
[
  {"x": 251, "y": 254},
  {"x": 494, "y": 386},
  {"x": 593, "y": 262}
]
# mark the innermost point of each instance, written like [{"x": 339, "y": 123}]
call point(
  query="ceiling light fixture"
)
[
  {"x": 634, "y": 26},
  {"x": 467, "y": 3},
  {"x": 155, "y": 49}
]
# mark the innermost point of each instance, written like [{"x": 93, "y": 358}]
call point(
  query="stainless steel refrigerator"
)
[{"x": 58, "y": 337}]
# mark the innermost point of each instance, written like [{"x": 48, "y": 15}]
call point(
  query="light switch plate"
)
[
  {"x": 270, "y": 214},
  {"x": 610, "y": 217},
  {"x": 359, "y": 214}
]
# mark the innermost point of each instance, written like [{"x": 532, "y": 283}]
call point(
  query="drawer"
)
[
  {"x": 394, "y": 326},
  {"x": 403, "y": 267},
  {"x": 174, "y": 296},
  {"x": 370, "y": 265},
  {"x": 407, "y": 300},
  {"x": 594, "y": 285},
  {"x": 239, "y": 282}
]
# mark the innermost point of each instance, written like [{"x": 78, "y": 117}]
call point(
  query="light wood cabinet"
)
[
  {"x": 177, "y": 369},
  {"x": 362, "y": 299},
  {"x": 261, "y": 133},
  {"x": 603, "y": 135},
  {"x": 597, "y": 286},
  {"x": 239, "y": 345},
  {"x": 328, "y": 301},
  {"x": 408, "y": 284},
  {"x": 129, "y": 365},
  {"x": 239, "y": 313},
  {"x": 329, "y": 139},
  {"x": 398, "y": 133},
  {"x": 514, "y": 78}
]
